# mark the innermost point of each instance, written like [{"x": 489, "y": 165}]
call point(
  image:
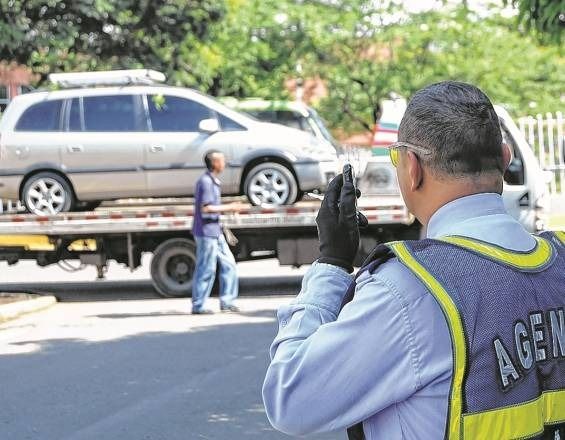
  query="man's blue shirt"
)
[
  {"x": 386, "y": 359},
  {"x": 207, "y": 193}
]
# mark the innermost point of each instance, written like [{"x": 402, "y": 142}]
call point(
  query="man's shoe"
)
[
  {"x": 232, "y": 308},
  {"x": 202, "y": 312}
]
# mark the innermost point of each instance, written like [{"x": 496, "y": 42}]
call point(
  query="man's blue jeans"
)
[{"x": 212, "y": 252}]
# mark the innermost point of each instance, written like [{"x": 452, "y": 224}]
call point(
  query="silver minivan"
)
[{"x": 69, "y": 149}]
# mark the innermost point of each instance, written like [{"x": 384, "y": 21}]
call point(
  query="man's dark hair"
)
[
  {"x": 457, "y": 122},
  {"x": 208, "y": 158}
]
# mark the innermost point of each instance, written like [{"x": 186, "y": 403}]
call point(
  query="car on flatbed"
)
[
  {"x": 288, "y": 113},
  {"x": 105, "y": 137}
]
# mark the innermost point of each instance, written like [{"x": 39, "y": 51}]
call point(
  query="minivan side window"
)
[
  {"x": 173, "y": 113},
  {"x": 43, "y": 116},
  {"x": 109, "y": 113}
]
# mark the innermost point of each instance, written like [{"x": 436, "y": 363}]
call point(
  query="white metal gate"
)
[{"x": 546, "y": 135}]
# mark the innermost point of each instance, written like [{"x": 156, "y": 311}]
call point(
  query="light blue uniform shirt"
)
[{"x": 386, "y": 359}]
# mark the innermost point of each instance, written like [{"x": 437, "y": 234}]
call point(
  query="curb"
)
[{"x": 16, "y": 309}]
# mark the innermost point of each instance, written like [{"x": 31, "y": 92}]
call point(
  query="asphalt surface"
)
[
  {"x": 264, "y": 277},
  {"x": 138, "y": 367}
]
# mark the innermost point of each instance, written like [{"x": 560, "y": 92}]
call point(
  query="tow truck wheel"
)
[
  {"x": 270, "y": 184},
  {"x": 172, "y": 267}
]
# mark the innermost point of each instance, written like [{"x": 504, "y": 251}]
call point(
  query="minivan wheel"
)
[
  {"x": 47, "y": 194},
  {"x": 270, "y": 184}
]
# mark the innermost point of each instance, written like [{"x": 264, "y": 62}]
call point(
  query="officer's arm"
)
[{"x": 328, "y": 372}]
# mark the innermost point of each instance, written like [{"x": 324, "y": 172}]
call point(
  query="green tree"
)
[
  {"x": 514, "y": 69},
  {"x": 64, "y": 35},
  {"x": 364, "y": 52},
  {"x": 545, "y": 16},
  {"x": 260, "y": 43}
]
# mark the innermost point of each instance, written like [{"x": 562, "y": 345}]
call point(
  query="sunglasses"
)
[{"x": 393, "y": 150}]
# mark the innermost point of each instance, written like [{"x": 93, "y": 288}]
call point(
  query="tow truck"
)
[{"x": 125, "y": 233}]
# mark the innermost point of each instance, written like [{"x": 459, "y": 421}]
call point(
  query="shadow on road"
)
[
  {"x": 136, "y": 290},
  {"x": 200, "y": 383},
  {"x": 255, "y": 314}
]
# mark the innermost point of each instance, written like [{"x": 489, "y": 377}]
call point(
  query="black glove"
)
[{"x": 338, "y": 224}]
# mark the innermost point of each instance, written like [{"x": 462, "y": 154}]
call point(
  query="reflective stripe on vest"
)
[{"x": 519, "y": 421}]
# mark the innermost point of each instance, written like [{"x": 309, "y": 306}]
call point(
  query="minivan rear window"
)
[
  {"x": 109, "y": 113},
  {"x": 43, "y": 116}
]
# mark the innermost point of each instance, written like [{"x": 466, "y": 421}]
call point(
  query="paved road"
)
[
  {"x": 138, "y": 369},
  {"x": 262, "y": 277}
]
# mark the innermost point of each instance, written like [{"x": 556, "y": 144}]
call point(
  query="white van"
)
[{"x": 525, "y": 195}]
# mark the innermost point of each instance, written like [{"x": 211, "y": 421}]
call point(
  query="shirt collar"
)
[
  {"x": 214, "y": 178},
  {"x": 464, "y": 208}
]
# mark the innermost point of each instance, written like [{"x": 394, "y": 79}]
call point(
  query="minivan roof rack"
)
[{"x": 107, "y": 78}]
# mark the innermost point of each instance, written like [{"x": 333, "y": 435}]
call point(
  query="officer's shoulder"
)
[{"x": 395, "y": 276}]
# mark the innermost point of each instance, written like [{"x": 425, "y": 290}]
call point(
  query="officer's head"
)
[
  {"x": 215, "y": 161},
  {"x": 449, "y": 146}
]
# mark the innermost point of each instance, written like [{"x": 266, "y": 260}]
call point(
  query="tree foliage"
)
[
  {"x": 63, "y": 35},
  {"x": 365, "y": 51},
  {"x": 512, "y": 68},
  {"x": 545, "y": 16},
  {"x": 362, "y": 50}
]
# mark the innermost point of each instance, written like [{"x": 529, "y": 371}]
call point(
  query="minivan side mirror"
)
[{"x": 209, "y": 125}]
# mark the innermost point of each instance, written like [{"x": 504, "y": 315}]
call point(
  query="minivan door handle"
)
[
  {"x": 156, "y": 148},
  {"x": 75, "y": 148}
]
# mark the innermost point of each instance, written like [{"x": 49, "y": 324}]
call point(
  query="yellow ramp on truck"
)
[
  {"x": 43, "y": 243},
  {"x": 28, "y": 242}
]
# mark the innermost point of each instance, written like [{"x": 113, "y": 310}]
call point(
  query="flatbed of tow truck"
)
[{"x": 125, "y": 232}]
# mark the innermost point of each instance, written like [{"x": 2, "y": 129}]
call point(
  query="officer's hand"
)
[{"x": 338, "y": 224}]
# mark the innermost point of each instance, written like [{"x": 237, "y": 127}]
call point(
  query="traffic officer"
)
[{"x": 459, "y": 335}]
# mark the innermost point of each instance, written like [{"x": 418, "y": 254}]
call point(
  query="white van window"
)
[
  {"x": 514, "y": 175},
  {"x": 109, "y": 113},
  {"x": 4, "y": 98},
  {"x": 43, "y": 116},
  {"x": 172, "y": 113}
]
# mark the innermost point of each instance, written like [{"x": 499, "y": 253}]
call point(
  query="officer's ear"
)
[{"x": 415, "y": 171}]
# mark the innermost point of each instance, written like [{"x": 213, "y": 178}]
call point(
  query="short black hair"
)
[
  {"x": 457, "y": 122},
  {"x": 208, "y": 158}
]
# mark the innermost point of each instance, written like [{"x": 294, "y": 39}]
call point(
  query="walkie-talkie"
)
[{"x": 349, "y": 176}]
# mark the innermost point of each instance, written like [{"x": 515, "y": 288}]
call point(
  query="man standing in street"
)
[
  {"x": 458, "y": 336},
  {"x": 212, "y": 250}
]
